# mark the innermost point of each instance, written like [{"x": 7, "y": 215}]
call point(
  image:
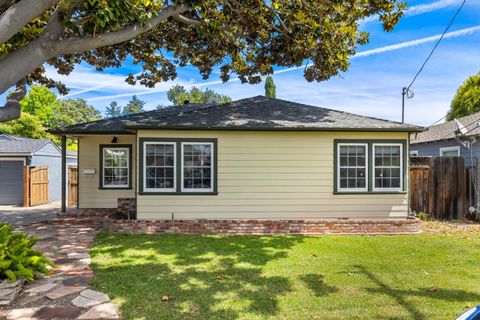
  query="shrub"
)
[
  {"x": 17, "y": 256},
  {"x": 423, "y": 216}
]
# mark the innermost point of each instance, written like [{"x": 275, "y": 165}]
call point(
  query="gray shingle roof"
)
[
  {"x": 256, "y": 113},
  {"x": 22, "y": 146},
  {"x": 9, "y": 137},
  {"x": 446, "y": 131}
]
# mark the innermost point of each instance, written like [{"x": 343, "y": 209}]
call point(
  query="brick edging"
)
[{"x": 243, "y": 226}]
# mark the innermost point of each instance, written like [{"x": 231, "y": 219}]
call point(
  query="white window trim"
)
[
  {"x": 113, "y": 186},
  {"x": 340, "y": 189},
  {"x": 144, "y": 173},
  {"x": 374, "y": 166},
  {"x": 212, "y": 169},
  {"x": 414, "y": 153},
  {"x": 446, "y": 149}
]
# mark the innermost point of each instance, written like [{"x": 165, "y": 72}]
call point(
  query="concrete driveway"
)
[{"x": 20, "y": 216}]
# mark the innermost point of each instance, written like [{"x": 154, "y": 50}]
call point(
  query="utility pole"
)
[{"x": 404, "y": 92}]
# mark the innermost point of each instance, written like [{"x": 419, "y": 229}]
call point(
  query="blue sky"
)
[{"x": 371, "y": 87}]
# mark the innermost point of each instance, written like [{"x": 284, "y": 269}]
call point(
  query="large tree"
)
[
  {"x": 73, "y": 111},
  {"x": 178, "y": 96},
  {"x": 42, "y": 103},
  {"x": 42, "y": 110},
  {"x": 467, "y": 98},
  {"x": 245, "y": 38},
  {"x": 28, "y": 126}
]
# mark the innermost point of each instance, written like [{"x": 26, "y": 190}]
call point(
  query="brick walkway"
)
[{"x": 67, "y": 292}]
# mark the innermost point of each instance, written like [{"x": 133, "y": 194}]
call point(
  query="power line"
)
[
  {"x": 436, "y": 44},
  {"x": 438, "y": 120},
  {"x": 406, "y": 90}
]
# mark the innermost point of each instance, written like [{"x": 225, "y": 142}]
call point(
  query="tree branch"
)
[
  {"x": 11, "y": 110},
  {"x": 183, "y": 19},
  {"x": 20, "y": 14},
  {"x": 5, "y": 3},
  {"x": 72, "y": 45}
]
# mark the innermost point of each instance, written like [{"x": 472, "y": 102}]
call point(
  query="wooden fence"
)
[
  {"x": 72, "y": 186},
  {"x": 438, "y": 186},
  {"x": 35, "y": 186}
]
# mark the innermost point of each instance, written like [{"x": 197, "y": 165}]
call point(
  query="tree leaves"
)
[
  {"x": 467, "y": 99},
  {"x": 244, "y": 38}
]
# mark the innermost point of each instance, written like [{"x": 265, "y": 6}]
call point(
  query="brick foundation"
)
[{"x": 324, "y": 226}]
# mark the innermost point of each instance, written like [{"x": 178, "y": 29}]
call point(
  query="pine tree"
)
[
  {"x": 270, "y": 88},
  {"x": 135, "y": 105},
  {"x": 113, "y": 110}
]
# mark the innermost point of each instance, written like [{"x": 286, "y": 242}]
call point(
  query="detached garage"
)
[{"x": 18, "y": 152}]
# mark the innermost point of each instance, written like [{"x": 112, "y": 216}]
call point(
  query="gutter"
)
[{"x": 306, "y": 129}]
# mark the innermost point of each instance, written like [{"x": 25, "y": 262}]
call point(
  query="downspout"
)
[{"x": 64, "y": 173}]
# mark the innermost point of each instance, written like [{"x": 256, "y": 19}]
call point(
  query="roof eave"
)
[
  {"x": 78, "y": 132},
  {"x": 406, "y": 129}
]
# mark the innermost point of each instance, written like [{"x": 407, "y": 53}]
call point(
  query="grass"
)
[{"x": 427, "y": 276}]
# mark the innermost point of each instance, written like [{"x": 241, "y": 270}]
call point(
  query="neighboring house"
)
[
  {"x": 256, "y": 158},
  {"x": 456, "y": 138},
  {"x": 17, "y": 152}
]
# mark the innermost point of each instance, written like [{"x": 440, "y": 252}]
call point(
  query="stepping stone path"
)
[{"x": 65, "y": 293}]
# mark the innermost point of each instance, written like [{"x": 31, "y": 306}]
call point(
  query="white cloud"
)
[
  {"x": 164, "y": 87},
  {"x": 397, "y": 46},
  {"x": 422, "y": 8}
]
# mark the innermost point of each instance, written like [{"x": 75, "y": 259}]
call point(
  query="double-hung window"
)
[
  {"x": 115, "y": 167},
  {"x": 159, "y": 166},
  {"x": 388, "y": 163},
  {"x": 372, "y": 166},
  {"x": 197, "y": 174},
  {"x": 180, "y": 166},
  {"x": 352, "y": 167}
]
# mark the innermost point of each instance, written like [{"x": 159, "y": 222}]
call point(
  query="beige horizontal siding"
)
[
  {"x": 273, "y": 175},
  {"x": 90, "y": 195}
]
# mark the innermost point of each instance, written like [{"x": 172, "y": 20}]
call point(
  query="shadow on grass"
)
[
  {"x": 316, "y": 283},
  {"x": 401, "y": 296},
  {"x": 203, "y": 276}
]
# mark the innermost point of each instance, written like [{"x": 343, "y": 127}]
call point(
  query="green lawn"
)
[{"x": 289, "y": 277}]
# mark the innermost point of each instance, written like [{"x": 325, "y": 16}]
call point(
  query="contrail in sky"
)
[{"x": 393, "y": 47}]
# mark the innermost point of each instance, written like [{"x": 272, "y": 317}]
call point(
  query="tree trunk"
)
[
  {"x": 12, "y": 110},
  {"x": 20, "y": 64}
]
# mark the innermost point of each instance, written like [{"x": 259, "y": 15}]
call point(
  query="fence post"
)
[{"x": 26, "y": 186}]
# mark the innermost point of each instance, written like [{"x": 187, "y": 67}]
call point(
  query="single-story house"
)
[
  {"x": 255, "y": 158},
  {"x": 17, "y": 152}
]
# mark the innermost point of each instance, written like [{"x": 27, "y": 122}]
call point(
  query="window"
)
[
  {"x": 197, "y": 166},
  {"x": 159, "y": 166},
  {"x": 363, "y": 166},
  {"x": 450, "y": 152},
  {"x": 352, "y": 167},
  {"x": 387, "y": 164},
  {"x": 178, "y": 166},
  {"x": 115, "y": 166}
]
